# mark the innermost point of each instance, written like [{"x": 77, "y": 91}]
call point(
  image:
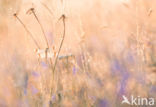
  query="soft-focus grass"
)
[{"x": 112, "y": 43}]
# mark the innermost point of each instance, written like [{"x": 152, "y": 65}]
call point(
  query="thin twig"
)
[
  {"x": 64, "y": 31},
  {"x": 47, "y": 8},
  {"x": 32, "y": 10},
  {"x": 15, "y": 15},
  {"x": 57, "y": 55}
]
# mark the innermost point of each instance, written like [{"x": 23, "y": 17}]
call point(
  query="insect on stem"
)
[
  {"x": 15, "y": 15},
  {"x": 31, "y": 10}
]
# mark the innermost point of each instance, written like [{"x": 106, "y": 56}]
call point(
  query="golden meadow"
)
[{"x": 76, "y": 53}]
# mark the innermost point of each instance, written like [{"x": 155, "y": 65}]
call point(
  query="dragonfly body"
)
[{"x": 44, "y": 53}]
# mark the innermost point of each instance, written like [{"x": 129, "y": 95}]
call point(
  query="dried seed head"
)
[
  {"x": 62, "y": 17},
  {"x": 30, "y": 11},
  {"x": 15, "y": 14}
]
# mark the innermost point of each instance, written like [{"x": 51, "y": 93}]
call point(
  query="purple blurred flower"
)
[
  {"x": 53, "y": 98},
  {"x": 153, "y": 89},
  {"x": 34, "y": 90},
  {"x": 130, "y": 58},
  {"x": 35, "y": 74},
  {"x": 115, "y": 67},
  {"x": 93, "y": 98},
  {"x": 25, "y": 83},
  {"x": 74, "y": 70},
  {"x": 119, "y": 69},
  {"x": 25, "y": 91},
  {"x": 44, "y": 65},
  {"x": 123, "y": 84},
  {"x": 103, "y": 103},
  {"x": 100, "y": 83}
]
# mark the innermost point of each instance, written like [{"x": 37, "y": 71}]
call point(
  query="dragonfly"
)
[{"x": 45, "y": 53}]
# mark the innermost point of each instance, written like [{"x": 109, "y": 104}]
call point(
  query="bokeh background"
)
[{"x": 112, "y": 43}]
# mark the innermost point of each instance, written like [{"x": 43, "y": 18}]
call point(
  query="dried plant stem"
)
[
  {"x": 47, "y": 8},
  {"x": 57, "y": 55},
  {"x": 64, "y": 31},
  {"x": 27, "y": 30},
  {"x": 32, "y": 9},
  {"x": 138, "y": 38},
  {"x": 15, "y": 15}
]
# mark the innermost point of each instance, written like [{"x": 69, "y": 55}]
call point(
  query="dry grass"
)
[{"x": 101, "y": 50}]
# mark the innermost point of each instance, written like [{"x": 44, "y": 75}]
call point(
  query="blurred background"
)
[{"x": 108, "y": 51}]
